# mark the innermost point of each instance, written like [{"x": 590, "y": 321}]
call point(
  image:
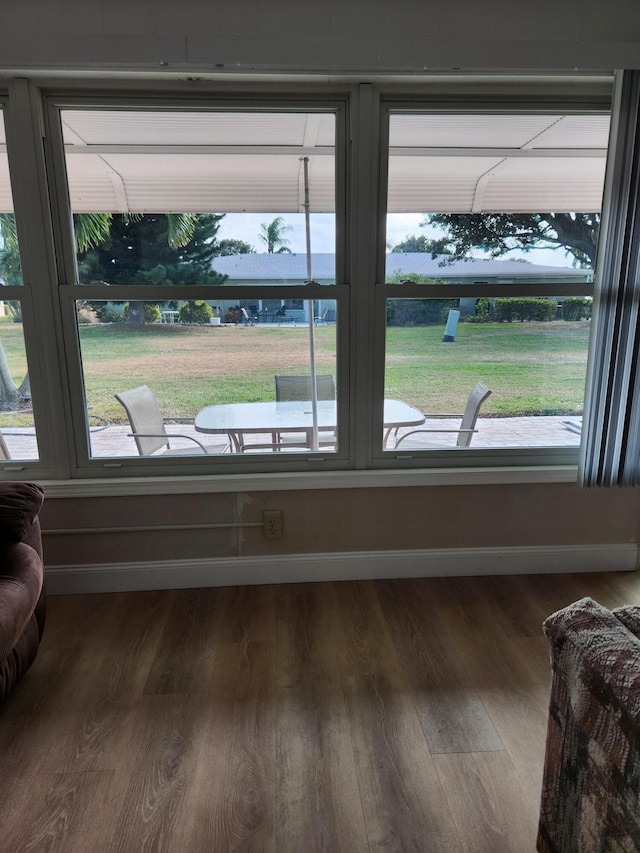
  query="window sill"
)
[{"x": 303, "y": 481}]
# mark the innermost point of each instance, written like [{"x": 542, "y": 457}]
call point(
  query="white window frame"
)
[
  {"x": 454, "y": 100},
  {"x": 34, "y": 142},
  {"x": 70, "y": 291}
]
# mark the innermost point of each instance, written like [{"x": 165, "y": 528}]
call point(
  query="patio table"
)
[{"x": 237, "y": 419}]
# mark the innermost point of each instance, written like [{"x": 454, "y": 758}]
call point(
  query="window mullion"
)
[
  {"x": 25, "y": 135},
  {"x": 365, "y": 219}
]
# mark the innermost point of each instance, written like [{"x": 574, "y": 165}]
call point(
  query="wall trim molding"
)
[
  {"x": 303, "y": 481},
  {"x": 354, "y": 565}
]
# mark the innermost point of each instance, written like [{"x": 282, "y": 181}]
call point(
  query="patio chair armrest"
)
[
  {"x": 432, "y": 417},
  {"x": 272, "y": 445},
  {"x": 167, "y": 436},
  {"x": 189, "y": 438},
  {"x": 415, "y": 431}
]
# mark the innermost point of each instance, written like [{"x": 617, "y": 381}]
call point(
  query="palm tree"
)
[
  {"x": 272, "y": 233},
  {"x": 90, "y": 229}
]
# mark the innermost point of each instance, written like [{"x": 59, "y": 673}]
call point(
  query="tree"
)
[
  {"x": 138, "y": 250},
  {"x": 121, "y": 248},
  {"x": 499, "y": 233},
  {"x": 234, "y": 247},
  {"x": 418, "y": 243},
  {"x": 272, "y": 233}
]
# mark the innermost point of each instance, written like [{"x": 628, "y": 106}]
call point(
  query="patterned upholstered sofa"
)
[
  {"x": 591, "y": 785},
  {"x": 22, "y": 596}
]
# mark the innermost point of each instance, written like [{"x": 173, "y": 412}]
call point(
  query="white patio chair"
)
[
  {"x": 295, "y": 387},
  {"x": 148, "y": 427},
  {"x": 426, "y": 438},
  {"x": 299, "y": 388},
  {"x": 327, "y": 316}
]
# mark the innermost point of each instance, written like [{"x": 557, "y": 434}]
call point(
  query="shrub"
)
[
  {"x": 106, "y": 314},
  {"x": 86, "y": 315},
  {"x": 483, "y": 312},
  {"x": 537, "y": 310},
  {"x": 151, "y": 313},
  {"x": 14, "y": 310},
  {"x": 576, "y": 308},
  {"x": 418, "y": 312},
  {"x": 195, "y": 312}
]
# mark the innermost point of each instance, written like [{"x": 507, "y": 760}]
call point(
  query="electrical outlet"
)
[{"x": 272, "y": 520}]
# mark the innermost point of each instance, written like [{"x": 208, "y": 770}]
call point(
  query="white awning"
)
[{"x": 227, "y": 162}]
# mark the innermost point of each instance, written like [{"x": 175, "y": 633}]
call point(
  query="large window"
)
[
  {"x": 227, "y": 219},
  {"x": 278, "y": 279},
  {"x": 492, "y": 223}
]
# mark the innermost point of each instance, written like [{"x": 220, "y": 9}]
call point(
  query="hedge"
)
[
  {"x": 418, "y": 312},
  {"x": 537, "y": 310},
  {"x": 576, "y": 308}
]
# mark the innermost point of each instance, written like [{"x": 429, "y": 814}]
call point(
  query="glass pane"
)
[
  {"x": 17, "y": 428},
  {"x": 10, "y": 269},
  {"x": 211, "y": 374},
  {"x": 494, "y": 198},
  {"x": 202, "y": 197},
  {"x": 530, "y": 353}
]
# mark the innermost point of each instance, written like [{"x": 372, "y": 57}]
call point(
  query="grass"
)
[
  {"x": 191, "y": 367},
  {"x": 532, "y": 368}
]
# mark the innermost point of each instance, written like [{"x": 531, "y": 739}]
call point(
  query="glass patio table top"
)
[{"x": 291, "y": 416}]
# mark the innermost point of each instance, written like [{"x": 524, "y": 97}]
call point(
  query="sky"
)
[{"x": 246, "y": 226}]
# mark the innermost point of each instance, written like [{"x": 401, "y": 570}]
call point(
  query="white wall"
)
[{"x": 357, "y": 36}]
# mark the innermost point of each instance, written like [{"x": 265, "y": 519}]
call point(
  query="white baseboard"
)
[{"x": 359, "y": 565}]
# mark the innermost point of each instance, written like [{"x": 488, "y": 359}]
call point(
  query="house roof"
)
[{"x": 293, "y": 267}]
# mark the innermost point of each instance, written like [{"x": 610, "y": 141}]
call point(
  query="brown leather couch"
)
[{"x": 22, "y": 595}]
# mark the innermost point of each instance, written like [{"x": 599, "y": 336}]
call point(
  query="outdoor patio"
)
[{"x": 558, "y": 431}]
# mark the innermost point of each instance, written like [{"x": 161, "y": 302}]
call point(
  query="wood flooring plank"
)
[
  {"x": 452, "y": 716},
  {"x": 485, "y": 797},
  {"x": 246, "y": 614},
  {"x": 54, "y": 812},
  {"x": 185, "y": 655},
  {"x": 90, "y": 688},
  {"x": 402, "y": 800},
  {"x": 510, "y": 676},
  {"x": 281, "y": 719},
  {"x": 317, "y": 796},
  {"x": 553, "y": 592},
  {"x": 84, "y": 721},
  {"x": 156, "y": 764},
  {"x": 230, "y": 798},
  {"x": 515, "y": 613},
  {"x": 628, "y": 587}
]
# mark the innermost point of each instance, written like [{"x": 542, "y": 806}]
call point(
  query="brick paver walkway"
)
[{"x": 560, "y": 431}]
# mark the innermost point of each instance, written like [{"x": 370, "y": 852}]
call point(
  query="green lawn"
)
[{"x": 532, "y": 368}]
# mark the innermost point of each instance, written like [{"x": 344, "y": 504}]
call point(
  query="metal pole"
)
[{"x": 312, "y": 340}]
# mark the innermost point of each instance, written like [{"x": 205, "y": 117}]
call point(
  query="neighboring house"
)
[{"x": 292, "y": 269}]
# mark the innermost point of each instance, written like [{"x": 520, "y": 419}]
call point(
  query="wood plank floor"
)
[{"x": 365, "y": 716}]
